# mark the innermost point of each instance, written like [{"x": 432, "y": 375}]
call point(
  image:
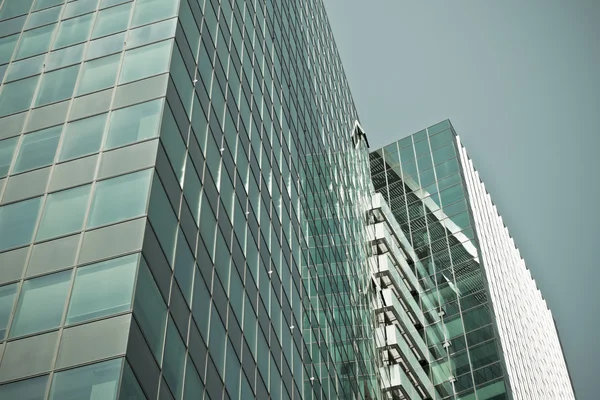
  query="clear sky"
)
[{"x": 520, "y": 81}]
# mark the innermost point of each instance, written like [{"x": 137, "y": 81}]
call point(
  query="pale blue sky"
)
[{"x": 520, "y": 81}]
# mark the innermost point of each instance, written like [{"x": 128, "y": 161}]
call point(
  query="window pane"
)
[
  {"x": 29, "y": 389},
  {"x": 12, "y": 8},
  {"x": 152, "y": 33},
  {"x": 7, "y": 46},
  {"x": 57, "y": 85},
  {"x": 96, "y": 381},
  {"x": 43, "y": 17},
  {"x": 105, "y": 46},
  {"x": 67, "y": 56},
  {"x": 147, "y": 11},
  {"x": 41, "y": 304},
  {"x": 64, "y": 212},
  {"x": 39, "y": 4},
  {"x": 7, "y": 150},
  {"x": 83, "y": 137},
  {"x": 74, "y": 30},
  {"x": 130, "y": 388},
  {"x": 120, "y": 198},
  {"x": 17, "y": 222},
  {"x": 174, "y": 359},
  {"x": 146, "y": 61},
  {"x": 37, "y": 149},
  {"x": 193, "y": 385},
  {"x": 150, "y": 310},
  {"x": 99, "y": 74},
  {"x": 102, "y": 289},
  {"x": 7, "y": 300},
  {"x": 112, "y": 20},
  {"x": 79, "y": 7},
  {"x": 29, "y": 67},
  {"x": 16, "y": 96},
  {"x": 184, "y": 267},
  {"x": 35, "y": 41},
  {"x": 132, "y": 124}
]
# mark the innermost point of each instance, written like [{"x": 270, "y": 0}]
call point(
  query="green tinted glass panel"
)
[
  {"x": 57, "y": 85},
  {"x": 447, "y": 168},
  {"x": 83, "y": 137},
  {"x": 28, "y": 67},
  {"x": 12, "y": 8},
  {"x": 64, "y": 212},
  {"x": 147, "y": 11},
  {"x": 37, "y": 149},
  {"x": 7, "y": 151},
  {"x": 40, "y": 4},
  {"x": 103, "y": 289},
  {"x": 146, "y": 61},
  {"x": 132, "y": 124},
  {"x": 112, "y": 20},
  {"x": 441, "y": 139},
  {"x": 17, "y": 222},
  {"x": 28, "y": 389},
  {"x": 72, "y": 31},
  {"x": 92, "y": 381},
  {"x": 35, "y": 41},
  {"x": 17, "y": 96},
  {"x": 8, "y": 295},
  {"x": 120, "y": 198},
  {"x": 105, "y": 46},
  {"x": 7, "y": 46},
  {"x": 41, "y": 304},
  {"x": 152, "y": 33},
  {"x": 64, "y": 57},
  {"x": 99, "y": 74},
  {"x": 44, "y": 17}
]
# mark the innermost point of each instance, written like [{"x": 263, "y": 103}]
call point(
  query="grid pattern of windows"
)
[{"x": 169, "y": 181}]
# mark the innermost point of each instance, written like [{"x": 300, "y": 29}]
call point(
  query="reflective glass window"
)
[
  {"x": 17, "y": 96},
  {"x": 41, "y": 4},
  {"x": 106, "y": 45},
  {"x": 29, "y": 389},
  {"x": 163, "y": 219},
  {"x": 28, "y": 67},
  {"x": 64, "y": 57},
  {"x": 7, "y": 46},
  {"x": 99, "y": 74},
  {"x": 103, "y": 289},
  {"x": 35, "y": 41},
  {"x": 150, "y": 310},
  {"x": 64, "y": 212},
  {"x": 120, "y": 198},
  {"x": 147, "y": 11},
  {"x": 184, "y": 266},
  {"x": 152, "y": 33},
  {"x": 79, "y": 7},
  {"x": 57, "y": 85},
  {"x": 8, "y": 294},
  {"x": 41, "y": 304},
  {"x": 17, "y": 222},
  {"x": 7, "y": 150},
  {"x": 37, "y": 149},
  {"x": 108, "y": 3},
  {"x": 135, "y": 123},
  {"x": 146, "y": 61},
  {"x": 74, "y": 30},
  {"x": 12, "y": 8},
  {"x": 130, "y": 387},
  {"x": 44, "y": 17},
  {"x": 112, "y": 20},
  {"x": 82, "y": 137},
  {"x": 96, "y": 381},
  {"x": 173, "y": 362}
]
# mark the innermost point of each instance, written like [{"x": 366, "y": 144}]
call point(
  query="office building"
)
[
  {"x": 187, "y": 211},
  {"x": 483, "y": 329}
]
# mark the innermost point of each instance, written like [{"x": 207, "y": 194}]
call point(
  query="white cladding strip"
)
[{"x": 535, "y": 362}]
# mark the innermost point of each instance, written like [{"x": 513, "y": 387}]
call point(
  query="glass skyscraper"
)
[{"x": 189, "y": 210}]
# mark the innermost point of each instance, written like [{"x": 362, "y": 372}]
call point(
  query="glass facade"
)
[
  {"x": 186, "y": 212},
  {"x": 181, "y": 203}
]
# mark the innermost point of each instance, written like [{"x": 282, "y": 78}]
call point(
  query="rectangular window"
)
[
  {"x": 57, "y": 85},
  {"x": 17, "y": 222},
  {"x": 106, "y": 45},
  {"x": 29, "y": 389},
  {"x": 132, "y": 124},
  {"x": 22, "y": 69},
  {"x": 150, "y": 310},
  {"x": 64, "y": 57},
  {"x": 13, "y": 8},
  {"x": 64, "y": 212},
  {"x": 96, "y": 381},
  {"x": 7, "y": 47},
  {"x": 43, "y": 17},
  {"x": 7, "y": 151},
  {"x": 8, "y": 294},
  {"x": 147, "y": 11},
  {"x": 152, "y": 33},
  {"x": 103, "y": 289},
  {"x": 41, "y": 304},
  {"x": 79, "y": 7},
  {"x": 41, "y": 4},
  {"x": 112, "y": 20},
  {"x": 83, "y": 137},
  {"x": 35, "y": 42},
  {"x": 174, "y": 360},
  {"x": 146, "y": 61},
  {"x": 99, "y": 74},
  {"x": 17, "y": 96},
  {"x": 120, "y": 198},
  {"x": 37, "y": 149}
]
